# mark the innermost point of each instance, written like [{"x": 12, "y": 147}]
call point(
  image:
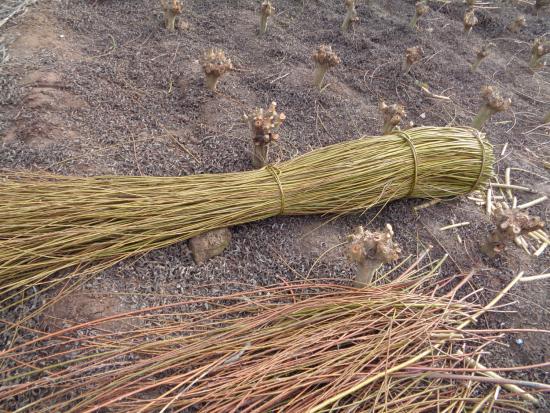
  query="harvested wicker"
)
[
  {"x": 303, "y": 347},
  {"x": 50, "y": 223}
]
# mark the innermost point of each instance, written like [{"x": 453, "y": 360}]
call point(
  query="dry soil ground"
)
[{"x": 99, "y": 87}]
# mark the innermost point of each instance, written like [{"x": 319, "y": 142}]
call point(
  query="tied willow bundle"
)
[
  {"x": 396, "y": 348},
  {"x": 51, "y": 223}
]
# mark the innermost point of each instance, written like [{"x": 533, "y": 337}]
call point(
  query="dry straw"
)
[
  {"x": 51, "y": 223},
  {"x": 304, "y": 347}
]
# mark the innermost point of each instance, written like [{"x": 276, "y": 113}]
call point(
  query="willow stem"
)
[
  {"x": 387, "y": 128},
  {"x": 212, "y": 82},
  {"x": 170, "y": 22},
  {"x": 346, "y": 23},
  {"x": 484, "y": 114},
  {"x": 259, "y": 156},
  {"x": 263, "y": 24},
  {"x": 319, "y": 76},
  {"x": 534, "y": 62},
  {"x": 365, "y": 273},
  {"x": 476, "y": 64}
]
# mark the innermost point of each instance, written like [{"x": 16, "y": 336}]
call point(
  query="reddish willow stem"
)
[{"x": 290, "y": 348}]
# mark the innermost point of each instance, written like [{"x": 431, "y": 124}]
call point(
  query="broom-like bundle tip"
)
[
  {"x": 215, "y": 64},
  {"x": 510, "y": 224},
  {"x": 370, "y": 250},
  {"x": 539, "y": 49},
  {"x": 470, "y": 20},
  {"x": 264, "y": 125},
  {"x": 412, "y": 56},
  {"x": 171, "y": 8},
  {"x": 266, "y": 10},
  {"x": 324, "y": 58},
  {"x": 351, "y": 15},
  {"x": 391, "y": 115}
]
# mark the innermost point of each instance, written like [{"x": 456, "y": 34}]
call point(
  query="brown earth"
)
[{"x": 99, "y": 87}]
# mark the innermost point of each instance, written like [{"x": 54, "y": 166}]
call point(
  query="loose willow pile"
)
[
  {"x": 51, "y": 223},
  {"x": 399, "y": 347}
]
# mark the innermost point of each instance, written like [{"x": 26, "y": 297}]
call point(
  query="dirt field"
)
[{"x": 99, "y": 87}]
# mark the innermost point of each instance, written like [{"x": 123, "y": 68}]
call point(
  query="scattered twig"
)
[
  {"x": 427, "y": 204},
  {"x": 516, "y": 187},
  {"x": 541, "y": 249},
  {"x": 508, "y": 182},
  {"x": 532, "y": 203},
  {"x": 504, "y": 149},
  {"x": 460, "y": 224},
  {"x": 535, "y": 277}
]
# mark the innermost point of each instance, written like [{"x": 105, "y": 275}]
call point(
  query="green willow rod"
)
[{"x": 50, "y": 223}]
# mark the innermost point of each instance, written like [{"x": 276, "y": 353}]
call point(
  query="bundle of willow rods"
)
[
  {"x": 303, "y": 347},
  {"x": 51, "y": 223}
]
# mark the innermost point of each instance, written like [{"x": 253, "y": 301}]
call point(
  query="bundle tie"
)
[
  {"x": 275, "y": 172},
  {"x": 477, "y": 134},
  {"x": 405, "y": 136}
]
